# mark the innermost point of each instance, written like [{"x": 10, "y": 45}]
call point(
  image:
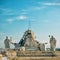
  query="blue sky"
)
[{"x": 44, "y": 16}]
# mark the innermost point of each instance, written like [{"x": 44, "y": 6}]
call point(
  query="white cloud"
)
[
  {"x": 10, "y": 20},
  {"x": 18, "y": 18},
  {"x": 21, "y": 17},
  {"x": 39, "y": 8},
  {"x": 6, "y": 11},
  {"x": 52, "y": 4},
  {"x": 24, "y": 13},
  {"x": 23, "y": 10},
  {"x": 49, "y": 3},
  {"x": 33, "y": 8}
]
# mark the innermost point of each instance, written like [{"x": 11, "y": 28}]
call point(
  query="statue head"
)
[
  {"x": 52, "y": 37},
  {"x": 6, "y": 37}
]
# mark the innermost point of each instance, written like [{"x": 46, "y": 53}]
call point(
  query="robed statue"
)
[{"x": 52, "y": 43}]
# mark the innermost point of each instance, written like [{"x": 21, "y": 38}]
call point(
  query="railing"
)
[{"x": 35, "y": 53}]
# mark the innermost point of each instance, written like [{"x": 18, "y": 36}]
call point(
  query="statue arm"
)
[{"x": 10, "y": 42}]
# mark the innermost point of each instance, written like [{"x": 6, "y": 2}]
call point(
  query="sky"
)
[{"x": 44, "y": 17}]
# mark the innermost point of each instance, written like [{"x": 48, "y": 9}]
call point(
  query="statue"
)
[
  {"x": 17, "y": 45},
  {"x": 6, "y": 42},
  {"x": 52, "y": 43}
]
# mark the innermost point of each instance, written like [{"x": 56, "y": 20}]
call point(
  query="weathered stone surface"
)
[
  {"x": 29, "y": 40},
  {"x": 52, "y": 43},
  {"x": 6, "y": 42}
]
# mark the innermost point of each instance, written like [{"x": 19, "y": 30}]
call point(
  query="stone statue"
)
[
  {"x": 6, "y": 42},
  {"x": 52, "y": 43}
]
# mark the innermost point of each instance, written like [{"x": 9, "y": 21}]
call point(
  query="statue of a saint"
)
[
  {"x": 6, "y": 42},
  {"x": 52, "y": 43}
]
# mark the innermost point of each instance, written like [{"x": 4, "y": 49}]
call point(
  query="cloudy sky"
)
[{"x": 44, "y": 17}]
